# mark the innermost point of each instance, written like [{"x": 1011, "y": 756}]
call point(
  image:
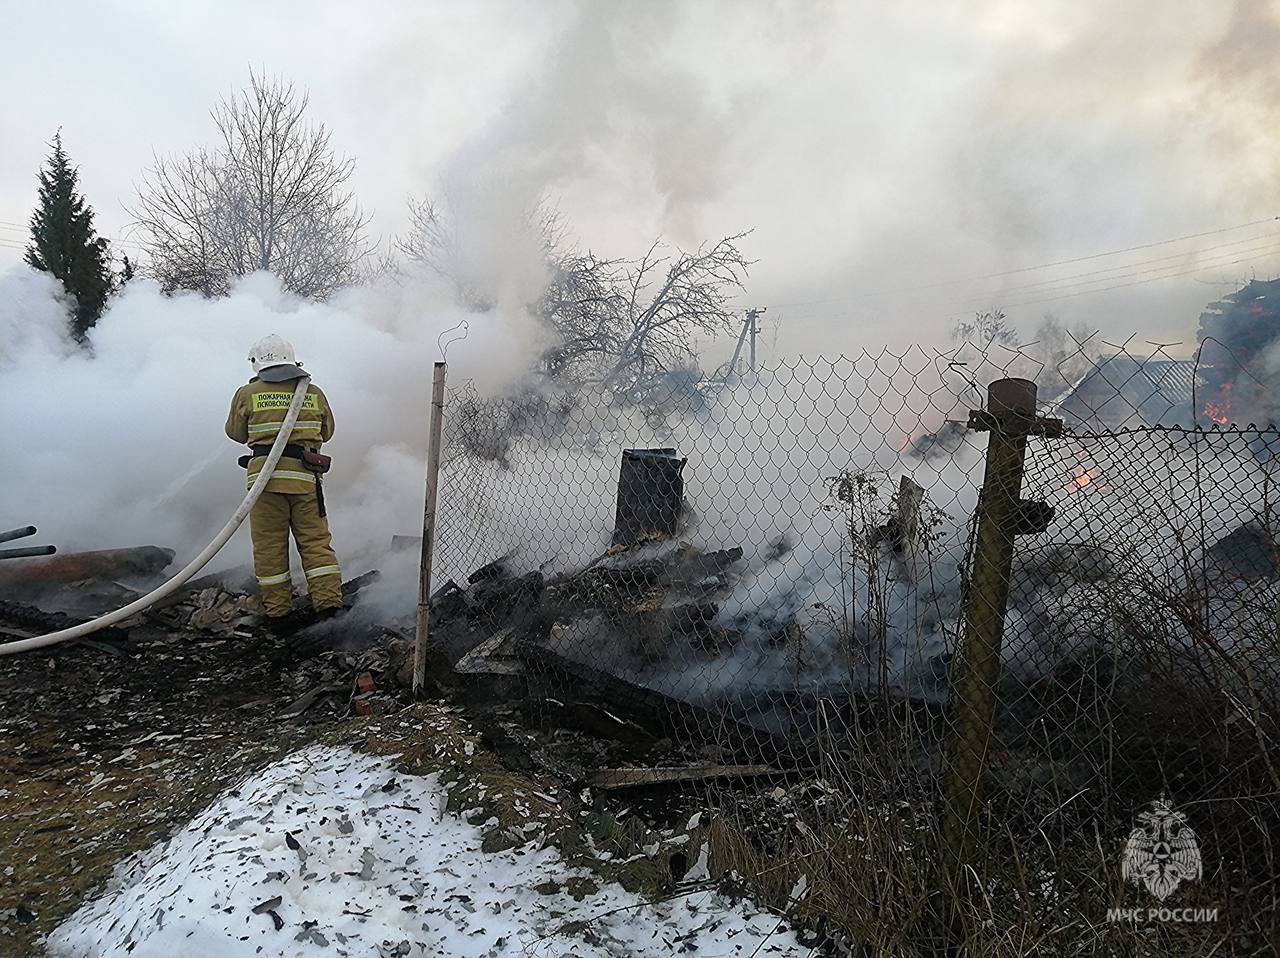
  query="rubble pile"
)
[
  {"x": 612, "y": 634},
  {"x": 213, "y": 610},
  {"x": 372, "y": 681},
  {"x": 631, "y": 608},
  {"x": 663, "y": 594}
]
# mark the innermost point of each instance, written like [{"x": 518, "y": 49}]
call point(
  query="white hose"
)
[{"x": 192, "y": 567}]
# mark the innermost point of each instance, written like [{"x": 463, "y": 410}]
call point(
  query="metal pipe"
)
[
  {"x": 17, "y": 533},
  {"x": 28, "y": 551}
]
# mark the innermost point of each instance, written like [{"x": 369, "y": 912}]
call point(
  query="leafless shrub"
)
[{"x": 856, "y": 858}]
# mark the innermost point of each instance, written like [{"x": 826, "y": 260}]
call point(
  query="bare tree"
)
[
  {"x": 983, "y": 348},
  {"x": 986, "y": 329},
  {"x": 628, "y": 324},
  {"x": 271, "y": 195}
]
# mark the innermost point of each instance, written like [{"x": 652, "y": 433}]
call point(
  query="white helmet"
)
[{"x": 273, "y": 359}]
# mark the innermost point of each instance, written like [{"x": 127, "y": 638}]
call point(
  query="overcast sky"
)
[{"x": 879, "y": 151}]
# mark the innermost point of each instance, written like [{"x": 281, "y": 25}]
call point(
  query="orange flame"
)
[
  {"x": 1220, "y": 409},
  {"x": 1084, "y": 478}
]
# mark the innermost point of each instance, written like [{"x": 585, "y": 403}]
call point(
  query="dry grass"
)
[
  {"x": 1162, "y": 705},
  {"x": 1048, "y": 870}
]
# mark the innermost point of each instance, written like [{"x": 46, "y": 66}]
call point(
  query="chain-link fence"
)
[{"x": 1033, "y": 716}]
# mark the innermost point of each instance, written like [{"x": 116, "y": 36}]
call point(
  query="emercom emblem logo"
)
[{"x": 1162, "y": 852}]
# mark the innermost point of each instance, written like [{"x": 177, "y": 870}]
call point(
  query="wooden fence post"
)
[
  {"x": 1010, "y": 417},
  {"x": 428, "y": 531}
]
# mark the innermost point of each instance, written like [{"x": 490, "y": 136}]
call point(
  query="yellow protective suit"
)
[{"x": 289, "y": 502}]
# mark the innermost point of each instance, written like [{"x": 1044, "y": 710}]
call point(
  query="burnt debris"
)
[{"x": 84, "y": 582}]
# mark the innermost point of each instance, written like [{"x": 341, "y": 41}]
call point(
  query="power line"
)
[
  {"x": 1187, "y": 272},
  {"x": 1066, "y": 285},
  {"x": 1228, "y": 260},
  {"x": 1131, "y": 249},
  {"x": 1147, "y": 262},
  {"x": 1125, "y": 272},
  {"x": 1039, "y": 266}
]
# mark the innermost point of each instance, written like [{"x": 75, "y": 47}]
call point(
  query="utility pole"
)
[
  {"x": 750, "y": 327},
  {"x": 753, "y": 324}
]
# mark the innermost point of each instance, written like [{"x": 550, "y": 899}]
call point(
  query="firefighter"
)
[{"x": 294, "y": 497}]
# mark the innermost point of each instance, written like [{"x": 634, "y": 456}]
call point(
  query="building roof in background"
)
[{"x": 1122, "y": 390}]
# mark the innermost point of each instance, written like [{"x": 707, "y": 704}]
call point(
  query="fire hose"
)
[{"x": 195, "y": 565}]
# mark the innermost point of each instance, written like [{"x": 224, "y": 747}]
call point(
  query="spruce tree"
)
[{"x": 63, "y": 241}]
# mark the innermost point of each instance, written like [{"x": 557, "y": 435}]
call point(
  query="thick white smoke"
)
[{"x": 122, "y": 443}]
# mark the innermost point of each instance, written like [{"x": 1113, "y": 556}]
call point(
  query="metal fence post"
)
[
  {"x": 428, "y": 531},
  {"x": 1010, "y": 416}
]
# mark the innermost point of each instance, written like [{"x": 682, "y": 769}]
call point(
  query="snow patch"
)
[{"x": 334, "y": 852}]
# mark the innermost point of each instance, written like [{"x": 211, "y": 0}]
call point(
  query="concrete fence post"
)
[{"x": 1010, "y": 417}]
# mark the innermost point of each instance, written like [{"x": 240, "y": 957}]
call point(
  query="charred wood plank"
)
[
  {"x": 490, "y": 657},
  {"x": 705, "y": 565},
  {"x": 35, "y": 621},
  {"x": 654, "y": 710},
  {"x": 808, "y": 711},
  {"x": 24, "y": 575},
  {"x": 353, "y": 586},
  {"x": 499, "y": 568},
  {"x": 611, "y": 778},
  {"x": 449, "y": 588}
]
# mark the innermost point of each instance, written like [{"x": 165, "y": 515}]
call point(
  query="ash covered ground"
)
[{"x": 114, "y": 751}]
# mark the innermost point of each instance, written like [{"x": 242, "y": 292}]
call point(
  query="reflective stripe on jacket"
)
[{"x": 257, "y": 410}]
